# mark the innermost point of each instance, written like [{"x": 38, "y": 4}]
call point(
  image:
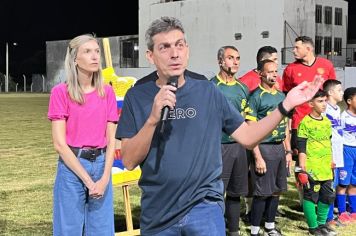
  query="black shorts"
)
[
  {"x": 275, "y": 179},
  {"x": 235, "y": 169},
  {"x": 319, "y": 191},
  {"x": 250, "y": 158}
]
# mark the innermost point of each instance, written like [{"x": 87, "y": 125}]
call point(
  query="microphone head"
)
[{"x": 173, "y": 80}]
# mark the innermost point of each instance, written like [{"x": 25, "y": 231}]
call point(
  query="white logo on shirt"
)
[{"x": 180, "y": 113}]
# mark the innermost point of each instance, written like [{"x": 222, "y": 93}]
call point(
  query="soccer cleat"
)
[
  {"x": 344, "y": 218},
  {"x": 327, "y": 230},
  {"x": 353, "y": 217},
  {"x": 272, "y": 232},
  {"x": 335, "y": 223},
  {"x": 236, "y": 233},
  {"x": 316, "y": 232}
]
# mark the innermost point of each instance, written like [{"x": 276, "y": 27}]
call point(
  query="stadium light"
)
[{"x": 7, "y": 66}]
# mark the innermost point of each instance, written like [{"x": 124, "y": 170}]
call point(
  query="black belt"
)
[
  {"x": 272, "y": 143},
  {"x": 89, "y": 154}
]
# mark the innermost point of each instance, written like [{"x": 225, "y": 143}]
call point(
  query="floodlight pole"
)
[
  {"x": 24, "y": 83},
  {"x": 43, "y": 83},
  {"x": 7, "y": 68}
]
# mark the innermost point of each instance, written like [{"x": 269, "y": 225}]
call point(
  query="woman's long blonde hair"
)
[{"x": 75, "y": 91}]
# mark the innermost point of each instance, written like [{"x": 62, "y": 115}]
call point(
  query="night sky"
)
[
  {"x": 352, "y": 19},
  {"x": 31, "y": 23}
]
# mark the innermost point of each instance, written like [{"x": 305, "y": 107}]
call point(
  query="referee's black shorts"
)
[
  {"x": 275, "y": 179},
  {"x": 235, "y": 169}
]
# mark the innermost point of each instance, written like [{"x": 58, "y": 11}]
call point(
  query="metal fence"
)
[{"x": 34, "y": 83}]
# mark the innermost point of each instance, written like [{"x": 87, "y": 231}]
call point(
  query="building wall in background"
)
[
  {"x": 214, "y": 23},
  {"x": 210, "y": 24},
  {"x": 122, "y": 50}
]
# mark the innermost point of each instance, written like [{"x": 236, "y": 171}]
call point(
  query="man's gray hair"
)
[
  {"x": 163, "y": 24},
  {"x": 222, "y": 50}
]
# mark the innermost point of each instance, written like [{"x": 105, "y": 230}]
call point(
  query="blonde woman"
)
[{"x": 83, "y": 114}]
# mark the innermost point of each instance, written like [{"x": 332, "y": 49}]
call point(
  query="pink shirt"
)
[{"x": 85, "y": 124}]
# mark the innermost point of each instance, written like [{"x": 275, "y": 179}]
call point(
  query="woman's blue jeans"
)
[{"x": 74, "y": 212}]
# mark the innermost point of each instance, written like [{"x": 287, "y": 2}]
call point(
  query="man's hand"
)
[
  {"x": 333, "y": 165},
  {"x": 165, "y": 97},
  {"x": 302, "y": 93},
  {"x": 288, "y": 160},
  {"x": 261, "y": 167}
]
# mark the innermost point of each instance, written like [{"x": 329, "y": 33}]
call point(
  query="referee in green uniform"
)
[
  {"x": 235, "y": 168},
  {"x": 269, "y": 170}
]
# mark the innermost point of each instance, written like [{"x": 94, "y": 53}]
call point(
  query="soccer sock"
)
[
  {"x": 352, "y": 201},
  {"x": 330, "y": 213},
  {"x": 232, "y": 205},
  {"x": 258, "y": 208},
  {"x": 271, "y": 208},
  {"x": 341, "y": 202},
  {"x": 269, "y": 225},
  {"x": 322, "y": 213},
  {"x": 255, "y": 229},
  {"x": 310, "y": 214}
]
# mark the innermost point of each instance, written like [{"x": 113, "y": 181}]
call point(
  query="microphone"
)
[
  {"x": 229, "y": 71},
  {"x": 165, "y": 110}
]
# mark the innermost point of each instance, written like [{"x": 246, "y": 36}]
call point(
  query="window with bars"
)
[
  {"x": 338, "y": 16},
  {"x": 327, "y": 45},
  {"x": 318, "y": 14},
  {"x": 338, "y": 46},
  {"x": 318, "y": 41},
  {"x": 129, "y": 53},
  {"x": 328, "y": 15}
]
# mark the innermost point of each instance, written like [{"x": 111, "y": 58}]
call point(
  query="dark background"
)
[
  {"x": 352, "y": 19},
  {"x": 31, "y": 23}
]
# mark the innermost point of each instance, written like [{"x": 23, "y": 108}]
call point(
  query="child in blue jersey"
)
[
  {"x": 334, "y": 91},
  {"x": 347, "y": 174}
]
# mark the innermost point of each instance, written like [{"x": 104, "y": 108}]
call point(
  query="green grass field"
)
[{"x": 28, "y": 165}]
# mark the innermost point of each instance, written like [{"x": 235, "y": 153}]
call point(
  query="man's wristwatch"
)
[{"x": 289, "y": 152}]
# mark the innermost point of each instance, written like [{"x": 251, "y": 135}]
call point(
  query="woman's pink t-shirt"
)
[{"x": 85, "y": 124}]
